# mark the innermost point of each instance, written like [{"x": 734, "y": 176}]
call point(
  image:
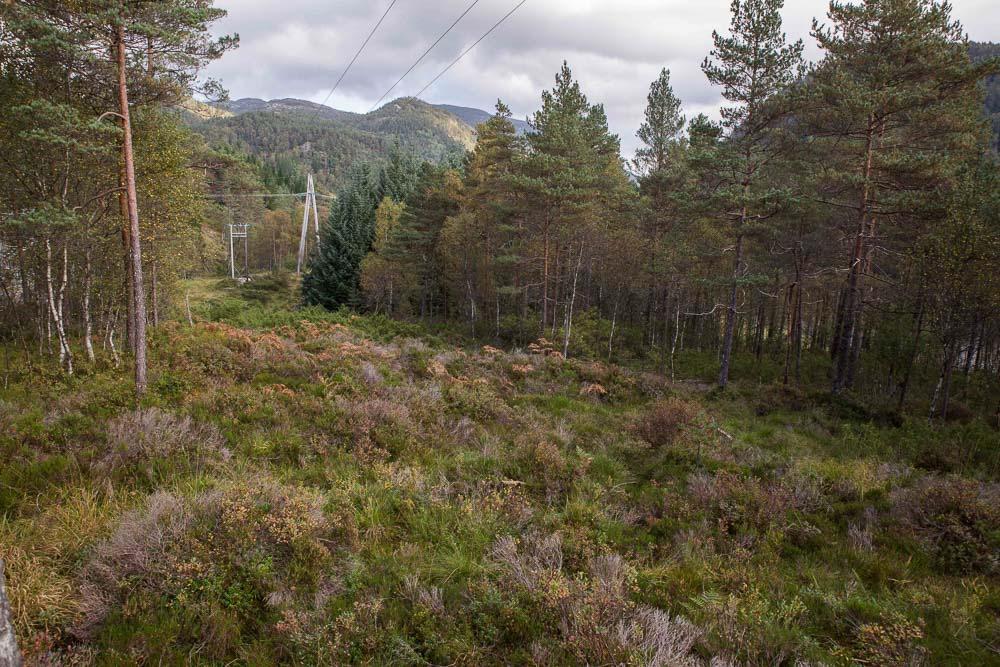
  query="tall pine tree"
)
[
  {"x": 753, "y": 64},
  {"x": 896, "y": 99}
]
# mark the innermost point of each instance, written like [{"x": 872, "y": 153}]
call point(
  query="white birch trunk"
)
[
  {"x": 10, "y": 656},
  {"x": 572, "y": 302},
  {"x": 55, "y": 310},
  {"x": 88, "y": 325}
]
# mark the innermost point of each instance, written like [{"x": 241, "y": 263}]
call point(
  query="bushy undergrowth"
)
[{"x": 315, "y": 488}]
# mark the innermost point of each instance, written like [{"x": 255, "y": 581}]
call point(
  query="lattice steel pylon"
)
[
  {"x": 239, "y": 230},
  {"x": 310, "y": 205}
]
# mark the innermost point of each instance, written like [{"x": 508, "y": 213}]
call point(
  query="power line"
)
[
  {"x": 265, "y": 195},
  {"x": 351, "y": 64},
  {"x": 474, "y": 44},
  {"x": 424, "y": 54}
]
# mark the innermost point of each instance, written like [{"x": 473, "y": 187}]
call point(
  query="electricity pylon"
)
[{"x": 310, "y": 206}]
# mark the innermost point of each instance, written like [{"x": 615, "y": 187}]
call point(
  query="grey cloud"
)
[{"x": 297, "y": 48}]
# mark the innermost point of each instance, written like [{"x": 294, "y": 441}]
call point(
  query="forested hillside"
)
[
  {"x": 981, "y": 51},
  {"x": 731, "y": 399},
  {"x": 327, "y": 142}
]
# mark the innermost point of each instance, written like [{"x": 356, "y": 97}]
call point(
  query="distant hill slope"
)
[
  {"x": 474, "y": 117},
  {"x": 327, "y": 142},
  {"x": 980, "y": 51}
]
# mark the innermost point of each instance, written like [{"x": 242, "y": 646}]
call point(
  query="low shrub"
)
[
  {"x": 666, "y": 420},
  {"x": 232, "y": 559},
  {"x": 745, "y": 509},
  {"x": 141, "y": 441},
  {"x": 955, "y": 519},
  {"x": 591, "y": 617}
]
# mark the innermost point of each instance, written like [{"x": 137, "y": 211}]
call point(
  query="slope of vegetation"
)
[
  {"x": 326, "y": 488},
  {"x": 328, "y": 145},
  {"x": 444, "y": 466},
  {"x": 981, "y": 51}
]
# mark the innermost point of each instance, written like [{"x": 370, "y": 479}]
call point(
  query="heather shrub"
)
[
  {"x": 778, "y": 396},
  {"x": 376, "y": 426},
  {"x": 234, "y": 559},
  {"x": 145, "y": 441},
  {"x": 894, "y": 641},
  {"x": 590, "y": 618},
  {"x": 745, "y": 509},
  {"x": 661, "y": 425},
  {"x": 959, "y": 412},
  {"x": 752, "y": 625},
  {"x": 545, "y": 460},
  {"x": 956, "y": 520},
  {"x": 477, "y": 400}
]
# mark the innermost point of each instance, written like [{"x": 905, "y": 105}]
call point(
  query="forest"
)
[
  {"x": 730, "y": 399},
  {"x": 847, "y": 213}
]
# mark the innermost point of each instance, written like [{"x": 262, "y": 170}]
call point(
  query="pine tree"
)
[
  {"x": 896, "y": 99},
  {"x": 661, "y": 129},
  {"x": 660, "y": 164},
  {"x": 572, "y": 168},
  {"x": 147, "y": 53},
  {"x": 753, "y": 65},
  {"x": 413, "y": 245},
  {"x": 489, "y": 235}
]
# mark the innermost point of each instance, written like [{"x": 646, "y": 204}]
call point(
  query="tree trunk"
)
[
  {"x": 55, "y": 312},
  {"x": 127, "y": 253},
  {"x": 10, "y": 655},
  {"x": 88, "y": 325},
  {"x": 904, "y": 386},
  {"x": 545, "y": 284},
  {"x": 572, "y": 301},
  {"x": 614, "y": 321},
  {"x": 677, "y": 331},
  {"x": 135, "y": 249},
  {"x": 154, "y": 291},
  {"x": 727, "y": 341},
  {"x": 848, "y": 345}
]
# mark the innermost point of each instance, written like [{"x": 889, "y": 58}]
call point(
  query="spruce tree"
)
[{"x": 333, "y": 278}]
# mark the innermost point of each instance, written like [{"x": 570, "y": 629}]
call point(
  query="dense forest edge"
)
[{"x": 733, "y": 399}]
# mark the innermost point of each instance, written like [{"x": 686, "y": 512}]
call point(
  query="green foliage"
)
[
  {"x": 291, "y": 142},
  {"x": 979, "y": 52},
  {"x": 333, "y": 279},
  {"x": 317, "y": 483}
]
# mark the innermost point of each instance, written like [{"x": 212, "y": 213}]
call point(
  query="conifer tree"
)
[
  {"x": 333, "y": 278},
  {"x": 413, "y": 245},
  {"x": 573, "y": 166},
  {"x": 116, "y": 55},
  {"x": 491, "y": 237},
  {"x": 896, "y": 99},
  {"x": 660, "y": 165},
  {"x": 661, "y": 128},
  {"x": 753, "y": 64}
]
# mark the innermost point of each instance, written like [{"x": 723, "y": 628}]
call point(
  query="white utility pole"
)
[{"x": 310, "y": 205}]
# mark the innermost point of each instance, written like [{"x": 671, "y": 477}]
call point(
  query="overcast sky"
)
[{"x": 298, "y": 48}]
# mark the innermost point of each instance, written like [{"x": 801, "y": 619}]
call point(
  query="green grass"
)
[{"x": 345, "y": 485}]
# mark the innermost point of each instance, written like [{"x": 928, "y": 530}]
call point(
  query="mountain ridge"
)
[
  {"x": 300, "y": 136},
  {"x": 471, "y": 116}
]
